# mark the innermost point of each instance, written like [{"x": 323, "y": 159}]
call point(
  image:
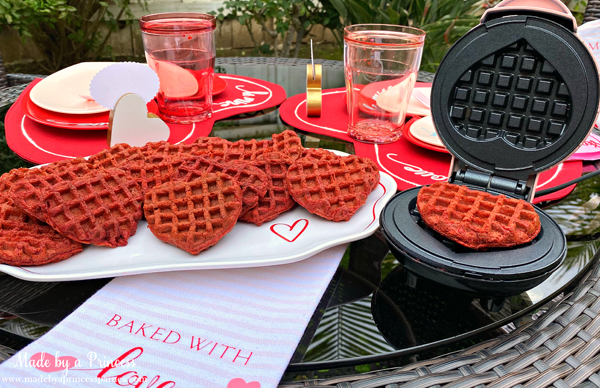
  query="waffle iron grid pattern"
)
[{"x": 512, "y": 94}]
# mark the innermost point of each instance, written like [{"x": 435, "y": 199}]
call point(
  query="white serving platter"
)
[{"x": 293, "y": 236}]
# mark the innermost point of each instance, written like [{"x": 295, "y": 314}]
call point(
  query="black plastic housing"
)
[
  {"x": 515, "y": 96},
  {"x": 497, "y": 272}
]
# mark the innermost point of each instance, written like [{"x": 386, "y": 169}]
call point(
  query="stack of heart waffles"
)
[{"x": 190, "y": 194}]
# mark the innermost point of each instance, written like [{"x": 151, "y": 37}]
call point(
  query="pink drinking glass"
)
[
  {"x": 180, "y": 48},
  {"x": 381, "y": 63}
]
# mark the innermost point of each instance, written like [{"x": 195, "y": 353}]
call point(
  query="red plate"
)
[
  {"x": 84, "y": 122},
  {"x": 62, "y": 120},
  {"x": 406, "y": 133},
  {"x": 219, "y": 85}
]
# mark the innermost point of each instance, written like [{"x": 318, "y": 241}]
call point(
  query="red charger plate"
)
[
  {"x": 85, "y": 122},
  {"x": 406, "y": 133}
]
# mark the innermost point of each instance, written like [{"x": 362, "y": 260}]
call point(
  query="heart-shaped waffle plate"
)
[{"x": 293, "y": 236}]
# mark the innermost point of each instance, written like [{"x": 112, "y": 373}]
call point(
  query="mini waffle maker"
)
[{"x": 513, "y": 97}]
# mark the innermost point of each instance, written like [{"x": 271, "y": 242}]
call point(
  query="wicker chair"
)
[
  {"x": 11, "y": 85},
  {"x": 592, "y": 11},
  {"x": 14, "y": 84}
]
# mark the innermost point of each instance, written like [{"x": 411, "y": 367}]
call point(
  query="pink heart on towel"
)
[
  {"x": 46, "y": 362},
  {"x": 241, "y": 383}
]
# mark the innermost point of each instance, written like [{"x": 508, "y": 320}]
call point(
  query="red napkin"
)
[
  {"x": 409, "y": 164},
  {"x": 39, "y": 143}
]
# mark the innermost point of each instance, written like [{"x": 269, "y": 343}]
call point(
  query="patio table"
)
[{"x": 374, "y": 315}]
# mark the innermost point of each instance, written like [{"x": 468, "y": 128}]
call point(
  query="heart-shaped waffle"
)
[
  {"x": 214, "y": 146},
  {"x": 321, "y": 154},
  {"x": 26, "y": 241},
  {"x": 206, "y": 145},
  {"x": 277, "y": 199},
  {"x": 287, "y": 145},
  {"x": 330, "y": 188},
  {"x": 116, "y": 156},
  {"x": 28, "y": 192},
  {"x": 151, "y": 148},
  {"x": 477, "y": 219},
  {"x": 195, "y": 215},
  {"x": 101, "y": 207},
  {"x": 7, "y": 180},
  {"x": 247, "y": 150},
  {"x": 318, "y": 153},
  {"x": 154, "y": 171},
  {"x": 251, "y": 179}
]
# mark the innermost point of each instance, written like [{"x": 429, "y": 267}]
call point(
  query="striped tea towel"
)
[
  {"x": 234, "y": 328},
  {"x": 590, "y": 34}
]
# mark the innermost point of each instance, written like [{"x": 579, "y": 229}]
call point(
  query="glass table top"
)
[{"x": 374, "y": 313}]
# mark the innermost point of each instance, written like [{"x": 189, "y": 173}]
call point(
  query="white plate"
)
[
  {"x": 61, "y": 92},
  {"x": 247, "y": 245},
  {"x": 424, "y": 130}
]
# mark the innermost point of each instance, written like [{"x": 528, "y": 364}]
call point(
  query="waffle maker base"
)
[{"x": 494, "y": 273}]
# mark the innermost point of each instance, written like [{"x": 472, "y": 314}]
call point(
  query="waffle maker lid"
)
[{"x": 515, "y": 96}]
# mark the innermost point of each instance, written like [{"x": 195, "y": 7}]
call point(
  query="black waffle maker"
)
[{"x": 513, "y": 97}]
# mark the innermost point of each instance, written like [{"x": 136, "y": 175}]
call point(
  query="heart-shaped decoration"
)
[
  {"x": 290, "y": 233},
  {"x": 46, "y": 362},
  {"x": 241, "y": 383},
  {"x": 130, "y": 123}
]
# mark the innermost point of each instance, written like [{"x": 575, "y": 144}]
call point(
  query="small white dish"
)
[
  {"x": 66, "y": 90},
  {"x": 415, "y": 106},
  {"x": 423, "y": 129},
  {"x": 295, "y": 235}
]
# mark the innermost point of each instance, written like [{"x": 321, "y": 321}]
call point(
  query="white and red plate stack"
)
[{"x": 63, "y": 99}]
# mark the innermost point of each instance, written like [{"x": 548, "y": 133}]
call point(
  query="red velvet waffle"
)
[
  {"x": 214, "y": 146},
  {"x": 116, "y": 156},
  {"x": 277, "y": 199},
  {"x": 101, "y": 207},
  {"x": 151, "y": 148},
  {"x": 27, "y": 193},
  {"x": 247, "y": 150},
  {"x": 206, "y": 145},
  {"x": 7, "y": 180},
  {"x": 318, "y": 153},
  {"x": 477, "y": 219},
  {"x": 154, "y": 171},
  {"x": 26, "y": 241},
  {"x": 330, "y": 188},
  {"x": 195, "y": 215},
  {"x": 321, "y": 154},
  {"x": 252, "y": 180},
  {"x": 288, "y": 146}
]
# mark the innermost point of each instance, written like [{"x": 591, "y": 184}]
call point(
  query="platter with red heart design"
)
[{"x": 293, "y": 236}]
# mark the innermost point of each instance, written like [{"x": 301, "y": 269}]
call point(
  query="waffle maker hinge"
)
[{"x": 462, "y": 174}]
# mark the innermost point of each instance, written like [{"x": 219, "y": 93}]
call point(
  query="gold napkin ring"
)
[{"x": 313, "y": 90}]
